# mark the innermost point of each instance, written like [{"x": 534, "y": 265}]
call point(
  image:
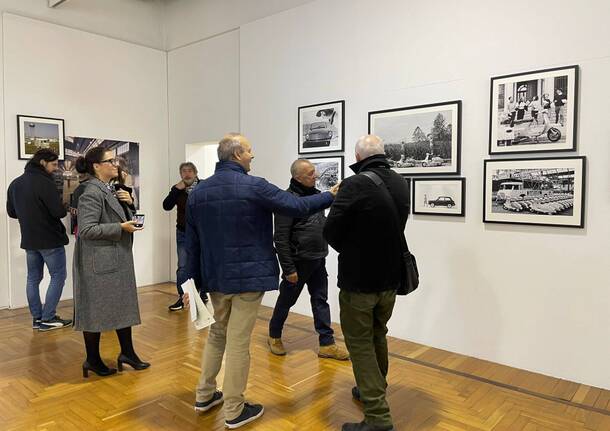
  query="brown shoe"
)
[
  {"x": 276, "y": 346},
  {"x": 333, "y": 352}
]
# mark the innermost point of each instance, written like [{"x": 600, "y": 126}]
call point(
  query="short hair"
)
[
  {"x": 229, "y": 145},
  {"x": 44, "y": 154},
  {"x": 295, "y": 168},
  {"x": 369, "y": 145},
  {"x": 187, "y": 165}
]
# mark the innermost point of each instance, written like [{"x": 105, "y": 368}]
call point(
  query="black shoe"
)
[
  {"x": 363, "y": 426},
  {"x": 178, "y": 305},
  {"x": 250, "y": 413},
  {"x": 54, "y": 323},
  {"x": 356, "y": 394},
  {"x": 135, "y": 364},
  {"x": 35, "y": 323},
  {"x": 100, "y": 371},
  {"x": 216, "y": 399}
]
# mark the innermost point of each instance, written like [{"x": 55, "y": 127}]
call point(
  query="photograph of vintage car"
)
[
  {"x": 321, "y": 127},
  {"x": 439, "y": 196},
  {"x": 534, "y": 111},
  {"x": 535, "y": 191},
  {"x": 329, "y": 171},
  {"x": 421, "y": 140}
]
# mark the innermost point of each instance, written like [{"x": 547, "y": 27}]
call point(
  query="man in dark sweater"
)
[
  {"x": 302, "y": 253},
  {"x": 34, "y": 200},
  {"x": 177, "y": 197},
  {"x": 366, "y": 226}
]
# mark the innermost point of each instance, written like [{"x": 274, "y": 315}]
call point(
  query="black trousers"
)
[{"x": 313, "y": 273}]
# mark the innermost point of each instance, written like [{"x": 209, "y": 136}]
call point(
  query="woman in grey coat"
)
[{"x": 105, "y": 296}]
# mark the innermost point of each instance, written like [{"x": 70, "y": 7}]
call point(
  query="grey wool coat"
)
[{"x": 105, "y": 296}]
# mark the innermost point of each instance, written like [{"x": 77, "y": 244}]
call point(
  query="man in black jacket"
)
[
  {"x": 302, "y": 253},
  {"x": 34, "y": 200},
  {"x": 365, "y": 225},
  {"x": 177, "y": 197}
]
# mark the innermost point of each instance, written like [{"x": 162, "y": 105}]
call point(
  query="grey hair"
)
[
  {"x": 229, "y": 145},
  {"x": 369, "y": 145},
  {"x": 188, "y": 165},
  {"x": 295, "y": 168}
]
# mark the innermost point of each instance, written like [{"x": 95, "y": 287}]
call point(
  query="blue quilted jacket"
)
[{"x": 229, "y": 229}]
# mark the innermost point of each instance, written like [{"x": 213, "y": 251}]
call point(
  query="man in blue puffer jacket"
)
[{"x": 229, "y": 239}]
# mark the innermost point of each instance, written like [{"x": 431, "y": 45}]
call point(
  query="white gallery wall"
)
[
  {"x": 103, "y": 88},
  {"x": 531, "y": 297}
]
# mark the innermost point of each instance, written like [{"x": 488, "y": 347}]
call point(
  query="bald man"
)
[
  {"x": 229, "y": 242},
  {"x": 302, "y": 252},
  {"x": 366, "y": 226}
]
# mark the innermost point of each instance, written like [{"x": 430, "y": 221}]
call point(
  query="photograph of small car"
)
[
  {"x": 442, "y": 201},
  {"x": 319, "y": 135}
]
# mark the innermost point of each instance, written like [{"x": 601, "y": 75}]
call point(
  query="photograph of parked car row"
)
[{"x": 535, "y": 191}]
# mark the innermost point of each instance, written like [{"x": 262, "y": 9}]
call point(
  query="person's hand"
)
[
  {"x": 292, "y": 278},
  {"x": 124, "y": 196},
  {"x": 186, "y": 300},
  {"x": 335, "y": 189},
  {"x": 180, "y": 185},
  {"x": 130, "y": 226}
]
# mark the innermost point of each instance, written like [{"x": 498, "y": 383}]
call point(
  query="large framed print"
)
[
  {"x": 421, "y": 140},
  {"x": 36, "y": 133},
  {"x": 321, "y": 127},
  {"x": 534, "y": 112},
  {"x": 329, "y": 171},
  {"x": 439, "y": 196},
  {"x": 546, "y": 191}
]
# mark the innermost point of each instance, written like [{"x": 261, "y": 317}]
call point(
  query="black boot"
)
[{"x": 128, "y": 355}]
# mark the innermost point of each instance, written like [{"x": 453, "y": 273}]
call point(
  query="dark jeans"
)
[
  {"x": 313, "y": 273},
  {"x": 55, "y": 259},
  {"x": 181, "y": 275},
  {"x": 364, "y": 318}
]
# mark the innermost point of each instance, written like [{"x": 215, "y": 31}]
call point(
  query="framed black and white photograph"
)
[
  {"x": 534, "y": 111},
  {"x": 321, "y": 127},
  {"x": 439, "y": 196},
  {"x": 546, "y": 191},
  {"x": 35, "y": 133},
  {"x": 329, "y": 171},
  {"x": 421, "y": 140}
]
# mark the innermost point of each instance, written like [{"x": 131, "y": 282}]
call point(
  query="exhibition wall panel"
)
[
  {"x": 530, "y": 297},
  {"x": 102, "y": 88}
]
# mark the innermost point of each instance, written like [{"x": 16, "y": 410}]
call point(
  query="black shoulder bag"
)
[{"x": 410, "y": 281}]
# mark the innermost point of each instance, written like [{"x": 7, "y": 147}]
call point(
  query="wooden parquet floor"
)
[{"x": 41, "y": 386}]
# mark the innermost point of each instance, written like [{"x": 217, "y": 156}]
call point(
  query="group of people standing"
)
[
  {"x": 229, "y": 243},
  {"x": 517, "y": 110}
]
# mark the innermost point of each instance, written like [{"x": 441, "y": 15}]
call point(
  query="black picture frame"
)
[
  {"x": 25, "y": 149},
  {"x": 526, "y": 138},
  {"x": 334, "y": 126},
  {"x": 454, "y": 167},
  {"x": 435, "y": 209},
  {"x": 527, "y": 214},
  {"x": 341, "y": 165}
]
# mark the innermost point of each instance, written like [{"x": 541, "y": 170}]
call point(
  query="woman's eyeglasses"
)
[{"x": 114, "y": 162}]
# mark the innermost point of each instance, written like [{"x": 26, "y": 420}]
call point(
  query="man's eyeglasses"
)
[{"x": 114, "y": 162}]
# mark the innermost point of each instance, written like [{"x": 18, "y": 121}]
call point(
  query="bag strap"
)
[{"x": 379, "y": 183}]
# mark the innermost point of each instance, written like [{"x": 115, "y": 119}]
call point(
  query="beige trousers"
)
[{"x": 235, "y": 317}]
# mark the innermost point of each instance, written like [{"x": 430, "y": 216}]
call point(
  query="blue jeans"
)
[
  {"x": 181, "y": 274},
  {"x": 313, "y": 273},
  {"x": 55, "y": 259}
]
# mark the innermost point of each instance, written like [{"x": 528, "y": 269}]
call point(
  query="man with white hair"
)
[
  {"x": 229, "y": 243},
  {"x": 366, "y": 226}
]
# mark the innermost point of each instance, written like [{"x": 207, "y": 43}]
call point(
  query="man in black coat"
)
[
  {"x": 34, "y": 200},
  {"x": 302, "y": 254},
  {"x": 365, "y": 225}
]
